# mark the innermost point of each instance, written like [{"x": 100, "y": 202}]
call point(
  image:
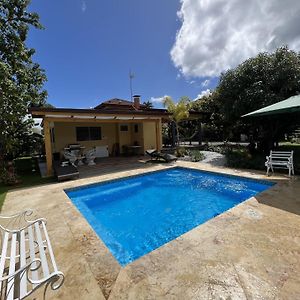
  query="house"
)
[{"x": 111, "y": 127}]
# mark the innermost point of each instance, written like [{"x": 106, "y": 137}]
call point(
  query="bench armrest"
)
[
  {"x": 30, "y": 266},
  {"x": 20, "y": 228},
  {"x": 24, "y": 214},
  {"x": 54, "y": 279}
]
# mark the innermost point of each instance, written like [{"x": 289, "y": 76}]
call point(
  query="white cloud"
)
[
  {"x": 83, "y": 6},
  {"x": 159, "y": 100},
  {"x": 219, "y": 34},
  {"x": 205, "y": 83},
  {"x": 203, "y": 93}
]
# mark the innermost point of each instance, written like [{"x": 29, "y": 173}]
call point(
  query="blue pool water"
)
[{"x": 136, "y": 215}]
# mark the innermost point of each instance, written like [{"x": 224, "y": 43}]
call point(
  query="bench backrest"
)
[{"x": 281, "y": 155}]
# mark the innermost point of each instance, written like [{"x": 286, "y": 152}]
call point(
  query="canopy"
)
[{"x": 289, "y": 105}]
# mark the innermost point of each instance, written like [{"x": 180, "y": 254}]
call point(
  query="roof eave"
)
[{"x": 42, "y": 112}]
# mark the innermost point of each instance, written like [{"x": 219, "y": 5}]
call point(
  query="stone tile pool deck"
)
[{"x": 251, "y": 251}]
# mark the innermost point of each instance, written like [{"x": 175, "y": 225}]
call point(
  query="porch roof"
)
[
  {"x": 75, "y": 114},
  {"x": 100, "y": 114}
]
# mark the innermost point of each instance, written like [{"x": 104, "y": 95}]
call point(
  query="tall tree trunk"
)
[
  {"x": 173, "y": 133},
  {"x": 200, "y": 134},
  {"x": 177, "y": 133}
]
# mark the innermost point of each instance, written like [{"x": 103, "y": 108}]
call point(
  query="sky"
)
[{"x": 176, "y": 48}]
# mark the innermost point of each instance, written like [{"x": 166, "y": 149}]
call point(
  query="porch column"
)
[
  {"x": 158, "y": 134},
  {"x": 48, "y": 147}
]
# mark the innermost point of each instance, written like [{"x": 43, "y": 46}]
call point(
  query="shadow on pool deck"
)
[
  {"x": 110, "y": 165},
  {"x": 286, "y": 199}
]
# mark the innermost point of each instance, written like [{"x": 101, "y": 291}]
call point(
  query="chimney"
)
[{"x": 137, "y": 101}]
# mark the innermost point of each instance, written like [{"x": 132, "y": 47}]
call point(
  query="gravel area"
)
[
  {"x": 211, "y": 158},
  {"x": 214, "y": 158}
]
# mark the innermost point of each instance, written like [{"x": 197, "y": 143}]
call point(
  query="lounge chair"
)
[
  {"x": 65, "y": 171},
  {"x": 156, "y": 155}
]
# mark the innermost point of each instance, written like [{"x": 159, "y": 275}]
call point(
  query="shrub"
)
[
  {"x": 180, "y": 152},
  {"x": 25, "y": 164},
  {"x": 196, "y": 155},
  {"x": 241, "y": 158},
  {"x": 8, "y": 175}
]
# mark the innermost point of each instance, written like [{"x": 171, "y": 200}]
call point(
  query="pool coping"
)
[
  {"x": 85, "y": 186},
  {"x": 94, "y": 224}
]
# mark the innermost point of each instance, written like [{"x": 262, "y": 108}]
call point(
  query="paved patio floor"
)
[{"x": 251, "y": 251}]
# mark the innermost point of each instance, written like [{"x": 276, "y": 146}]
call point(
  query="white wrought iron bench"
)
[
  {"x": 280, "y": 159},
  {"x": 27, "y": 261}
]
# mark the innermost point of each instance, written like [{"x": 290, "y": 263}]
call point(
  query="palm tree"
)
[
  {"x": 148, "y": 105},
  {"x": 178, "y": 110}
]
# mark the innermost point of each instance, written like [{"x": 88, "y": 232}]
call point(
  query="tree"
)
[
  {"x": 148, "y": 104},
  {"x": 260, "y": 81},
  {"x": 209, "y": 107},
  {"x": 179, "y": 111},
  {"x": 21, "y": 80}
]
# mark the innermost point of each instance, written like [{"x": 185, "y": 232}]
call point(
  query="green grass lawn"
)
[
  {"x": 289, "y": 145},
  {"x": 27, "y": 177}
]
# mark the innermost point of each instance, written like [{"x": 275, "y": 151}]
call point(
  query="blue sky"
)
[
  {"x": 176, "y": 48},
  {"x": 88, "y": 48}
]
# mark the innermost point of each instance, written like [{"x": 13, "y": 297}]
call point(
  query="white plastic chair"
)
[
  {"x": 71, "y": 157},
  {"x": 90, "y": 156}
]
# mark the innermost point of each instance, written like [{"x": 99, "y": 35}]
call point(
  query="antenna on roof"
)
[{"x": 131, "y": 76}]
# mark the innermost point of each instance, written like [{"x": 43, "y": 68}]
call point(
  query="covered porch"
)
[{"x": 111, "y": 134}]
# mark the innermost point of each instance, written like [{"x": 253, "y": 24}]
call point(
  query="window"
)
[
  {"x": 82, "y": 133},
  {"x": 88, "y": 133},
  {"x": 123, "y": 127},
  {"x": 95, "y": 133}
]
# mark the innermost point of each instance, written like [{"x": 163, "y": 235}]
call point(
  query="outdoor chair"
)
[
  {"x": 27, "y": 261},
  {"x": 280, "y": 159},
  {"x": 90, "y": 156},
  {"x": 156, "y": 155},
  {"x": 70, "y": 156}
]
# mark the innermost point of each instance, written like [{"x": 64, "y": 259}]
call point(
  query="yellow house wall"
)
[
  {"x": 137, "y": 137},
  {"x": 149, "y": 132},
  {"x": 65, "y": 133},
  {"x": 124, "y": 136},
  {"x": 131, "y": 137}
]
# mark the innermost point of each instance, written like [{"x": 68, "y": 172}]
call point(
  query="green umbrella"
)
[{"x": 289, "y": 105}]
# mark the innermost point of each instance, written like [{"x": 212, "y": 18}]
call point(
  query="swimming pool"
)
[{"x": 136, "y": 215}]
